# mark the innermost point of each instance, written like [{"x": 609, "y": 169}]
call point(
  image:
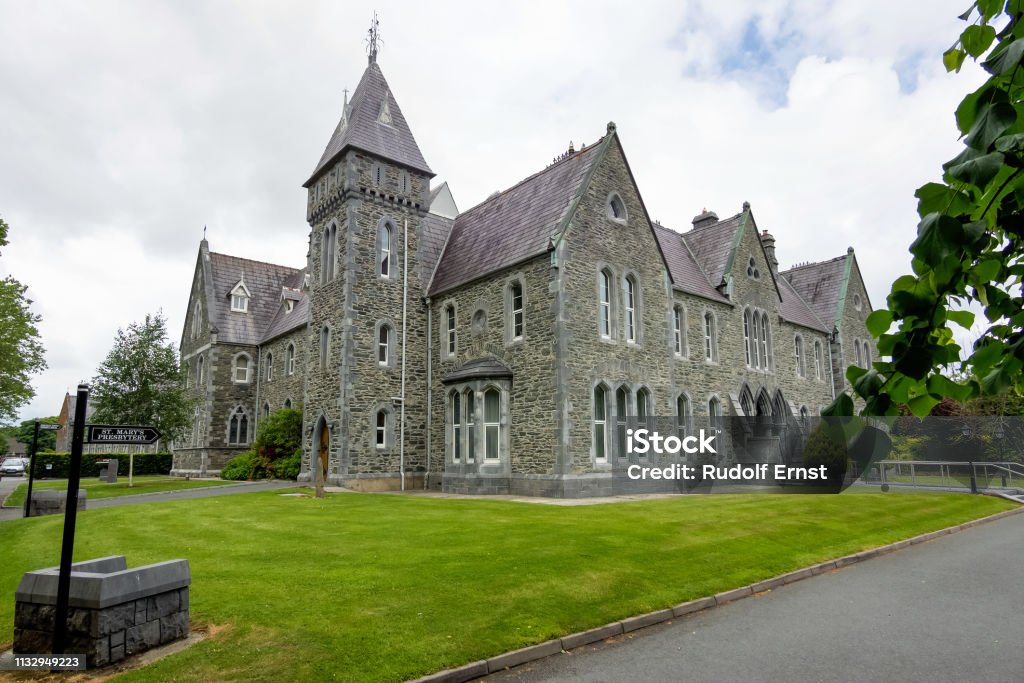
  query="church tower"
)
[{"x": 367, "y": 332}]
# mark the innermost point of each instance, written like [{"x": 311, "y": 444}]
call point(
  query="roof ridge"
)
[
  {"x": 814, "y": 263},
  {"x": 528, "y": 178},
  {"x": 249, "y": 260}
]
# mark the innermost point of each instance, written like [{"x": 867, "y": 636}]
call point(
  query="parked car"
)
[{"x": 13, "y": 467}]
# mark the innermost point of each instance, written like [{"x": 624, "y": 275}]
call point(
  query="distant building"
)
[{"x": 501, "y": 349}]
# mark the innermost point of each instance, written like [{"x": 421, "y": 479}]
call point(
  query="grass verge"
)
[
  {"x": 385, "y": 587},
  {"x": 148, "y": 483}
]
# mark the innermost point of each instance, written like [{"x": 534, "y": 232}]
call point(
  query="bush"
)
[
  {"x": 243, "y": 467},
  {"x": 145, "y": 463},
  {"x": 828, "y": 449},
  {"x": 288, "y": 467}
]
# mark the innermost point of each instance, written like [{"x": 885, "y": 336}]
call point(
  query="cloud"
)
[{"x": 128, "y": 127}]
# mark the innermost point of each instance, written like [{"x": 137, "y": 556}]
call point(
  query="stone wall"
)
[
  {"x": 348, "y": 392},
  {"x": 283, "y": 386}
]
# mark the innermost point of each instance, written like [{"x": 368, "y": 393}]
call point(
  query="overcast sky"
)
[{"x": 126, "y": 127}]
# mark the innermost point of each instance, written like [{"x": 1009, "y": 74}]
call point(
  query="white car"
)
[{"x": 14, "y": 466}]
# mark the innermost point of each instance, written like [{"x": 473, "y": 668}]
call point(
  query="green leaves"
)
[
  {"x": 953, "y": 59},
  {"x": 976, "y": 169},
  {"x": 969, "y": 248},
  {"x": 990, "y": 122},
  {"x": 977, "y": 39}
]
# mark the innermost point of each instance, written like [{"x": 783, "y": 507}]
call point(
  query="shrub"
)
[
  {"x": 145, "y": 463},
  {"x": 243, "y": 467},
  {"x": 828, "y": 449},
  {"x": 288, "y": 467}
]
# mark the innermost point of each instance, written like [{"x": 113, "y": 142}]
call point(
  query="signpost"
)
[
  {"x": 32, "y": 460},
  {"x": 124, "y": 434},
  {"x": 67, "y": 548}
]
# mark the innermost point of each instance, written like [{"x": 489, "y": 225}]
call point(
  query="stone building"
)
[{"x": 504, "y": 348}]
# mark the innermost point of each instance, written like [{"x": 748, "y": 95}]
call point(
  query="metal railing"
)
[{"x": 946, "y": 474}]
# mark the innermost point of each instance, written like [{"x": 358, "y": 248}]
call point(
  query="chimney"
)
[
  {"x": 769, "y": 249},
  {"x": 704, "y": 219}
]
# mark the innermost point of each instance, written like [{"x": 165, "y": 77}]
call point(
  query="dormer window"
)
[
  {"x": 240, "y": 298},
  {"x": 616, "y": 209},
  {"x": 289, "y": 305}
]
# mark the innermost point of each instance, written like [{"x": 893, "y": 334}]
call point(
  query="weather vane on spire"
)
[{"x": 373, "y": 40}]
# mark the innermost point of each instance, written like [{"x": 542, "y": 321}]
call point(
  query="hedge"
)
[{"x": 145, "y": 463}]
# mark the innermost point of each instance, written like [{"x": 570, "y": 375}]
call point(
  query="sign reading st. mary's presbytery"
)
[{"x": 122, "y": 434}]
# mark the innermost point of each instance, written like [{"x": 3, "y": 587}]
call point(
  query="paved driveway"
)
[{"x": 951, "y": 609}]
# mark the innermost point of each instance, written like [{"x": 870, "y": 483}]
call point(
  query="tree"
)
[
  {"x": 47, "y": 439},
  {"x": 276, "y": 452},
  {"x": 141, "y": 383},
  {"x": 969, "y": 249},
  {"x": 21, "y": 352}
]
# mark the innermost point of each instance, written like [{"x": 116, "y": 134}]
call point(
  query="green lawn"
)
[
  {"x": 386, "y": 587},
  {"x": 149, "y": 483}
]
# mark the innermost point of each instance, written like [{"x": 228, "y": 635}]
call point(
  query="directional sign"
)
[
  {"x": 122, "y": 434},
  {"x": 47, "y": 427}
]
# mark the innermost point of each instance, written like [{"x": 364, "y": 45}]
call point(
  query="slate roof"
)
[
  {"x": 794, "y": 309},
  {"x": 263, "y": 280},
  {"x": 514, "y": 225},
  {"x": 819, "y": 284},
  {"x": 435, "y": 232},
  {"x": 285, "y": 320},
  {"x": 711, "y": 244},
  {"x": 686, "y": 274},
  {"x": 360, "y": 127}
]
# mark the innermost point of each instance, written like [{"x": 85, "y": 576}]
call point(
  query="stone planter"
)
[{"x": 113, "y": 611}]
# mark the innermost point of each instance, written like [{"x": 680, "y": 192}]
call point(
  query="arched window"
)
[
  {"x": 715, "y": 414},
  {"x": 766, "y": 354},
  {"x": 290, "y": 360},
  {"x": 381, "y": 431},
  {"x": 492, "y": 424},
  {"x": 856, "y": 348},
  {"x": 200, "y": 372},
  {"x": 798, "y": 352},
  {"x": 683, "y": 415},
  {"x": 819, "y": 364},
  {"x": 238, "y": 428},
  {"x": 186, "y": 369},
  {"x": 643, "y": 408},
  {"x": 270, "y": 367},
  {"x": 471, "y": 430},
  {"x": 621, "y": 411},
  {"x": 241, "y": 369},
  {"x": 748, "y": 343},
  {"x": 755, "y": 334},
  {"x": 384, "y": 346},
  {"x": 515, "y": 307},
  {"x": 403, "y": 182},
  {"x": 600, "y": 422},
  {"x": 710, "y": 338},
  {"x": 288, "y": 404},
  {"x": 604, "y": 295},
  {"x": 384, "y": 249},
  {"x": 325, "y": 346},
  {"x": 450, "y": 338},
  {"x": 378, "y": 174},
  {"x": 456, "y": 426},
  {"x": 328, "y": 256},
  {"x": 804, "y": 416},
  {"x": 196, "y": 320},
  {"x": 867, "y": 355},
  {"x": 679, "y": 330},
  {"x": 266, "y": 409},
  {"x": 616, "y": 209},
  {"x": 629, "y": 303}
]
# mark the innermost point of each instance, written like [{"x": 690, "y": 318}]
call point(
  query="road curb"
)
[{"x": 641, "y": 621}]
